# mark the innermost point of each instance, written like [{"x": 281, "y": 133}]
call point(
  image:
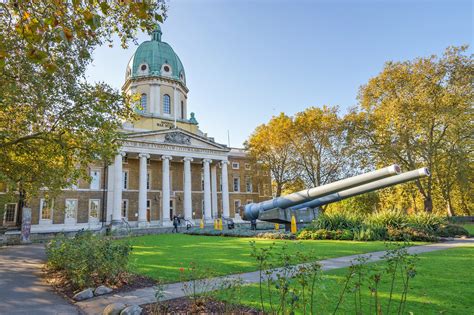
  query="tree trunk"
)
[
  {"x": 21, "y": 204},
  {"x": 278, "y": 190},
  {"x": 428, "y": 204},
  {"x": 449, "y": 208}
]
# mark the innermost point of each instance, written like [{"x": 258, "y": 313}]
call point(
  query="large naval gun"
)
[{"x": 304, "y": 205}]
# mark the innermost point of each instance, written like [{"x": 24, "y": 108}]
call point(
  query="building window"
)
[
  {"x": 143, "y": 103},
  {"x": 265, "y": 190},
  {"x": 247, "y": 166},
  {"x": 248, "y": 184},
  {"x": 95, "y": 179},
  {"x": 125, "y": 209},
  {"x": 125, "y": 179},
  {"x": 70, "y": 211},
  {"x": 235, "y": 165},
  {"x": 220, "y": 182},
  {"x": 46, "y": 209},
  {"x": 166, "y": 104},
  {"x": 236, "y": 184},
  {"x": 236, "y": 205},
  {"x": 94, "y": 206},
  {"x": 202, "y": 181},
  {"x": 10, "y": 213},
  {"x": 148, "y": 180},
  {"x": 182, "y": 110},
  {"x": 249, "y": 201}
]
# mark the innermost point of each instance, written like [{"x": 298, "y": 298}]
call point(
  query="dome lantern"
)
[{"x": 156, "y": 34}]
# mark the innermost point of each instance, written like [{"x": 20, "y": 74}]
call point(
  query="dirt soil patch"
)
[
  {"x": 126, "y": 282},
  {"x": 186, "y": 305}
]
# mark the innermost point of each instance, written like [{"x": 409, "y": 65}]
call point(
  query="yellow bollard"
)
[
  {"x": 220, "y": 224},
  {"x": 201, "y": 225},
  {"x": 277, "y": 226},
  {"x": 293, "y": 224}
]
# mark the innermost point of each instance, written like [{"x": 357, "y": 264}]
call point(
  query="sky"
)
[{"x": 247, "y": 60}]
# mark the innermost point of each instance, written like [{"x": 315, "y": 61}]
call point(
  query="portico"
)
[{"x": 183, "y": 150}]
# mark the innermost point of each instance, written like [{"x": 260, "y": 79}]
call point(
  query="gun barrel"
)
[
  {"x": 251, "y": 211},
  {"x": 376, "y": 185}
]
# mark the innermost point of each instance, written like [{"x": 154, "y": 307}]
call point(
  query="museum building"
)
[{"x": 166, "y": 166}]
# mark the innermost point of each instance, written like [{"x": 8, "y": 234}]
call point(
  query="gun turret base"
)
[{"x": 283, "y": 216}]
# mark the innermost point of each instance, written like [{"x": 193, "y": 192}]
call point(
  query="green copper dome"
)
[{"x": 156, "y": 58}]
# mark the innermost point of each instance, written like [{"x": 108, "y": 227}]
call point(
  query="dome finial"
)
[{"x": 156, "y": 34}]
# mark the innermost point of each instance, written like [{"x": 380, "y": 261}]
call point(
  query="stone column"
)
[
  {"x": 188, "y": 211},
  {"x": 142, "y": 190},
  {"x": 214, "y": 190},
  {"x": 207, "y": 190},
  {"x": 110, "y": 193},
  {"x": 118, "y": 187},
  {"x": 165, "y": 190},
  {"x": 225, "y": 190}
]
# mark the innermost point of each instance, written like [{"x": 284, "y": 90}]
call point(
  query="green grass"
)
[
  {"x": 161, "y": 256},
  {"x": 470, "y": 228},
  {"x": 443, "y": 285}
]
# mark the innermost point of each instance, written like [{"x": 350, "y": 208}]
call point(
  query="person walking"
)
[{"x": 175, "y": 224}]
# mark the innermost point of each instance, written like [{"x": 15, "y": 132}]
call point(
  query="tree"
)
[
  {"x": 418, "y": 113},
  {"x": 270, "y": 146},
  {"x": 53, "y": 123},
  {"x": 319, "y": 142}
]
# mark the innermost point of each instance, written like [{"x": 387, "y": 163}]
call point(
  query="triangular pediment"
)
[{"x": 176, "y": 136}]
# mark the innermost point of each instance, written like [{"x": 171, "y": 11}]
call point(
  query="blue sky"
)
[{"x": 248, "y": 60}]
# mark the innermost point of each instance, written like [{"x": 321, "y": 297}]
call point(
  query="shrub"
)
[
  {"x": 408, "y": 234},
  {"x": 386, "y": 218},
  {"x": 276, "y": 236},
  {"x": 88, "y": 259},
  {"x": 305, "y": 235},
  {"x": 426, "y": 221},
  {"x": 451, "y": 230},
  {"x": 345, "y": 235},
  {"x": 370, "y": 233},
  {"x": 337, "y": 221}
]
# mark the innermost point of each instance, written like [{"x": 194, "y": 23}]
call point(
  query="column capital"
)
[
  {"x": 166, "y": 157},
  {"x": 206, "y": 161},
  {"x": 144, "y": 155},
  {"x": 188, "y": 159},
  {"x": 122, "y": 153},
  {"x": 224, "y": 162}
]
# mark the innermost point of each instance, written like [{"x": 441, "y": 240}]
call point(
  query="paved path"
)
[
  {"x": 172, "y": 291},
  {"x": 22, "y": 289}
]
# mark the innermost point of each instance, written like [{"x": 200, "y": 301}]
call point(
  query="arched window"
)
[
  {"x": 166, "y": 104},
  {"x": 182, "y": 110},
  {"x": 143, "y": 103}
]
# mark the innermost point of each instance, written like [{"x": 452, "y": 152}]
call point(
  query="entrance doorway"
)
[{"x": 171, "y": 208}]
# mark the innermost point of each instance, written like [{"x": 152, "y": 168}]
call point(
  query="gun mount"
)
[{"x": 304, "y": 204}]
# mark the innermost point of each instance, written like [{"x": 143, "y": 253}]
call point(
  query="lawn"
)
[
  {"x": 443, "y": 285},
  {"x": 161, "y": 256},
  {"x": 470, "y": 228}
]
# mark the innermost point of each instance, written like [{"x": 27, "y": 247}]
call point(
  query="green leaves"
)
[{"x": 53, "y": 124}]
